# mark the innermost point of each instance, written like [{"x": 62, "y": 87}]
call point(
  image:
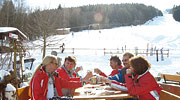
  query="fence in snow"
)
[{"x": 159, "y": 53}]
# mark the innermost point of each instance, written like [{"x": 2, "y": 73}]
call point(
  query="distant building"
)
[
  {"x": 94, "y": 27},
  {"x": 63, "y": 31}
]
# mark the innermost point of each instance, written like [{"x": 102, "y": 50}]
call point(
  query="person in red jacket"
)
[
  {"x": 66, "y": 72},
  {"x": 46, "y": 83},
  {"x": 115, "y": 64},
  {"x": 140, "y": 82}
]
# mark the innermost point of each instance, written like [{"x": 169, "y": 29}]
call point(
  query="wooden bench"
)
[
  {"x": 164, "y": 95},
  {"x": 173, "y": 88},
  {"x": 175, "y": 79},
  {"x": 23, "y": 93}
]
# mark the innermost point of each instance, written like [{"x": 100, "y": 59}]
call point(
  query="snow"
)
[
  {"x": 10, "y": 88},
  {"x": 161, "y": 32},
  {"x": 3, "y": 73},
  {"x": 14, "y": 30},
  {"x": 10, "y": 92},
  {"x": 6, "y": 29},
  {"x": 24, "y": 84},
  {"x": 63, "y": 29}
]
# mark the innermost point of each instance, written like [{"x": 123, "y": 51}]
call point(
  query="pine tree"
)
[{"x": 176, "y": 13}]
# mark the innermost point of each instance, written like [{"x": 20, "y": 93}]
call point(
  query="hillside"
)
[{"x": 161, "y": 32}]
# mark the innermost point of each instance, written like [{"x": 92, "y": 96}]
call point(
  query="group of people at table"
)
[{"x": 50, "y": 79}]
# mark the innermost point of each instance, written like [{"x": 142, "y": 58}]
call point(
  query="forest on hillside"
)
[{"x": 37, "y": 23}]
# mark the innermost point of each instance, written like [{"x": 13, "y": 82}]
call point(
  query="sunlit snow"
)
[{"x": 161, "y": 32}]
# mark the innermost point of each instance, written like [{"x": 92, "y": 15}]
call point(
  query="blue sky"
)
[{"x": 46, "y": 4}]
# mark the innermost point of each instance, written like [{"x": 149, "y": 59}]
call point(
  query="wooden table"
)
[{"x": 99, "y": 92}]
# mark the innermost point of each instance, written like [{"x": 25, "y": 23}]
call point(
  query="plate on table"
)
[
  {"x": 88, "y": 91},
  {"x": 108, "y": 87},
  {"x": 110, "y": 92},
  {"x": 90, "y": 86}
]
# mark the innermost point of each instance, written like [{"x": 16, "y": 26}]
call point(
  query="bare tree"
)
[{"x": 43, "y": 24}]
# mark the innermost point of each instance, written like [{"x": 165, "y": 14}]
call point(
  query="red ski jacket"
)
[
  {"x": 39, "y": 85},
  {"x": 63, "y": 74},
  {"x": 114, "y": 72},
  {"x": 144, "y": 86}
]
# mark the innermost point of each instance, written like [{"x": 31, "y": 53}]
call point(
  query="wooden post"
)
[
  {"x": 104, "y": 51},
  {"x": 3, "y": 94},
  {"x": 151, "y": 52},
  {"x": 136, "y": 51},
  {"x": 122, "y": 50},
  {"x": 155, "y": 50},
  {"x": 162, "y": 58},
  {"x": 15, "y": 71},
  {"x": 22, "y": 66},
  {"x": 125, "y": 48},
  {"x": 168, "y": 53},
  {"x": 157, "y": 55},
  {"x": 147, "y": 49}
]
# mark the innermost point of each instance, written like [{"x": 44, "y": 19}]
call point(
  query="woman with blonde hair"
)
[{"x": 46, "y": 83}]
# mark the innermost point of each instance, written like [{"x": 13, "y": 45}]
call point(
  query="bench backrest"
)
[
  {"x": 173, "y": 78},
  {"x": 164, "y": 95}
]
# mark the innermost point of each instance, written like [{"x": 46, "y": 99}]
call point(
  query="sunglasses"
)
[
  {"x": 54, "y": 63},
  {"x": 125, "y": 60}
]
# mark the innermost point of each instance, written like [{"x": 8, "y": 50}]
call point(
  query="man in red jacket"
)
[
  {"x": 66, "y": 72},
  {"x": 46, "y": 83},
  {"x": 115, "y": 64}
]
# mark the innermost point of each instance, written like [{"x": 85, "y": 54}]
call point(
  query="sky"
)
[{"x": 47, "y": 4}]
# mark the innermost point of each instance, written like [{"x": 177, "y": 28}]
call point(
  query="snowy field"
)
[{"x": 161, "y": 32}]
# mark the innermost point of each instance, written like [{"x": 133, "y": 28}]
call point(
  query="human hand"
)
[
  {"x": 72, "y": 91},
  {"x": 88, "y": 76},
  {"x": 97, "y": 71},
  {"x": 105, "y": 80},
  {"x": 128, "y": 71},
  {"x": 78, "y": 69}
]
